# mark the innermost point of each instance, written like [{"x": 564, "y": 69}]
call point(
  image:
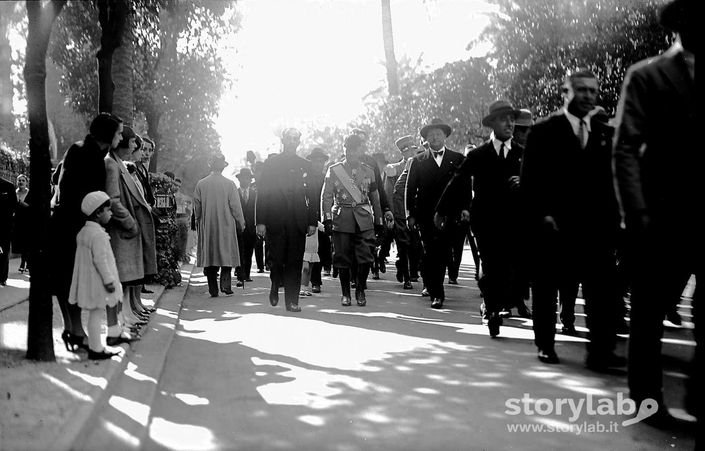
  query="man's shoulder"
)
[
  {"x": 551, "y": 120},
  {"x": 369, "y": 170}
]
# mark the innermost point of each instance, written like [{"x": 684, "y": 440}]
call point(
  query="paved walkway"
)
[{"x": 235, "y": 373}]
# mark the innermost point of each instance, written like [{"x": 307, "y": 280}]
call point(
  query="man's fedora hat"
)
[
  {"x": 499, "y": 108},
  {"x": 524, "y": 118},
  {"x": 436, "y": 123},
  {"x": 244, "y": 172},
  {"x": 678, "y": 14},
  {"x": 317, "y": 154},
  {"x": 218, "y": 161},
  {"x": 405, "y": 143}
]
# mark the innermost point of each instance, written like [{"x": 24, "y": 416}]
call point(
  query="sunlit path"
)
[{"x": 393, "y": 375}]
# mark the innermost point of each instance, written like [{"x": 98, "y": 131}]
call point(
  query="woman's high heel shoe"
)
[
  {"x": 73, "y": 342},
  {"x": 100, "y": 355}
]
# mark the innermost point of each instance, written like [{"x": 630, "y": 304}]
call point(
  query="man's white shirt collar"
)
[
  {"x": 439, "y": 158},
  {"x": 498, "y": 144}
]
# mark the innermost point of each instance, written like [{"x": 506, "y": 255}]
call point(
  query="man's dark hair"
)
[{"x": 579, "y": 73}]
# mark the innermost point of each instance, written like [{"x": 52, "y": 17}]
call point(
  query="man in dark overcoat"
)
[
  {"x": 429, "y": 173},
  {"x": 492, "y": 170},
  {"x": 659, "y": 163},
  {"x": 573, "y": 218},
  {"x": 287, "y": 211}
]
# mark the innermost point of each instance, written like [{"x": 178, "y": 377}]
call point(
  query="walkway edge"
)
[{"x": 90, "y": 420}]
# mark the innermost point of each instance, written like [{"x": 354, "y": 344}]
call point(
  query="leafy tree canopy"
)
[
  {"x": 536, "y": 42},
  {"x": 179, "y": 75}
]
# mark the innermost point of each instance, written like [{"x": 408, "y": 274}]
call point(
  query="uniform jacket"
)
[
  {"x": 372, "y": 163},
  {"x": 573, "y": 185},
  {"x": 131, "y": 229},
  {"x": 219, "y": 217},
  {"x": 285, "y": 195},
  {"x": 658, "y": 158},
  {"x": 339, "y": 205},
  {"x": 426, "y": 181},
  {"x": 94, "y": 266},
  {"x": 482, "y": 174}
]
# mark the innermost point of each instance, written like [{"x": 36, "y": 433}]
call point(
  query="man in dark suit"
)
[
  {"x": 428, "y": 175},
  {"x": 492, "y": 170},
  {"x": 287, "y": 211},
  {"x": 248, "y": 237},
  {"x": 573, "y": 218},
  {"x": 8, "y": 204},
  {"x": 659, "y": 163}
]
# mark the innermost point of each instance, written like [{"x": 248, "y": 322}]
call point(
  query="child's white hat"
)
[{"x": 92, "y": 201}]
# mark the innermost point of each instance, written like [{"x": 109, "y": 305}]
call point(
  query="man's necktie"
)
[
  {"x": 437, "y": 153},
  {"x": 246, "y": 194},
  {"x": 501, "y": 152},
  {"x": 582, "y": 133}
]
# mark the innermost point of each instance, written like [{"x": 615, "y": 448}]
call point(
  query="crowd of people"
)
[{"x": 572, "y": 202}]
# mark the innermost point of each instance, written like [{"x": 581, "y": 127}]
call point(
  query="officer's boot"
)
[
  {"x": 362, "y": 271},
  {"x": 344, "y": 276}
]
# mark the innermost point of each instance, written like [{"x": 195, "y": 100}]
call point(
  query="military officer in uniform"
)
[{"x": 351, "y": 208}]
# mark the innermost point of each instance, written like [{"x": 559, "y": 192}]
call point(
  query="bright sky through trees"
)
[{"x": 303, "y": 61}]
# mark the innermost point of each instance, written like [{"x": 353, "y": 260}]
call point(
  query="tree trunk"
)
[
  {"x": 153, "y": 132},
  {"x": 5, "y": 67},
  {"x": 40, "y": 343},
  {"x": 112, "y": 15},
  {"x": 391, "y": 60},
  {"x": 122, "y": 69}
]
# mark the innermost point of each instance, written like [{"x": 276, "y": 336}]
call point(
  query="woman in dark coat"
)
[{"x": 82, "y": 172}]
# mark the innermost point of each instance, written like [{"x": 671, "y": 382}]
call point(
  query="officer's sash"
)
[{"x": 347, "y": 182}]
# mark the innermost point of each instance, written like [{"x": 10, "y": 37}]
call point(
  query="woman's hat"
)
[
  {"x": 93, "y": 201},
  {"x": 317, "y": 154},
  {"x": 436, "y": 123},
  {"x": 244, "y": 172},
  {"x": 499, "y": 108}
]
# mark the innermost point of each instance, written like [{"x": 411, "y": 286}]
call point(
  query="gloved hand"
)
[{"x": 328, "y": 227}]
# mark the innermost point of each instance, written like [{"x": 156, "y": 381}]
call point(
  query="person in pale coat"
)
[
  {"x": 95, "y": 283},
  {"x": 132, "y": 238},
  {"x": 219, "y": 216}
]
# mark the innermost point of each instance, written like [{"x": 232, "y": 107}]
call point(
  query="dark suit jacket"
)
[
  {"x": 495, "y": 205},
  {"x": 573, "y": 185},
  {"x": 8, "y": 204},
  {"x": 426, "y": 181},
  {"x": 658, "y": 154},
  {"x": 285, "y": 195},
  {"x": 248, "y": 209}
]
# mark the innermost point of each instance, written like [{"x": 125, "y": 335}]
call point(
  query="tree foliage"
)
[
  {"x": 179, "y": 74},
  {"x": 536, "y": 42},
  {"x": 458, "y": 93}
]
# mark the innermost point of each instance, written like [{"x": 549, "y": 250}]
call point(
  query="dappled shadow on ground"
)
[{"x": 392, "y": 375}]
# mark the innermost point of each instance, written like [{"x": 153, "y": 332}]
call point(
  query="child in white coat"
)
[{"x": 95, "y": 283}]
